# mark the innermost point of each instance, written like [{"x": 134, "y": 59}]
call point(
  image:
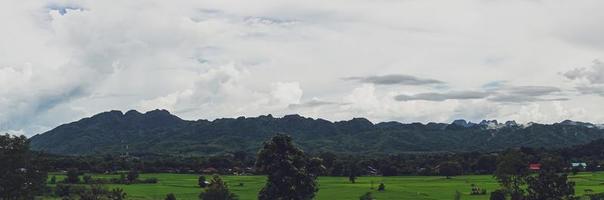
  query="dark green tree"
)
[
  {"x": 201, "y": 181},
  {"x": 170, "y": 197},
  {"x": 381, "y": 187},
  {"x": 22, "y": 174},
  {"x": 497, "y": 195},
  {"x": 366, "y": 196},
  {"x": 73, "y": 176},
  {"x": 353, "y": 172},
  {"x": 87, "y": 179},
  {"x": 550, "y": 185},
  {"x": 217, "y": 190},
  {"x": 117, "y": 194},
  {"x": 512, "y": 172},
  {"x": 53, "y": 180},
  {"x": 291, "y": 174},
  {"x": 449, "y": 169},
  {"x": 132, "y": 175}
]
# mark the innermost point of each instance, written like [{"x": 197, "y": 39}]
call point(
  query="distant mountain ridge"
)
[{"x": 160, "y": 132}]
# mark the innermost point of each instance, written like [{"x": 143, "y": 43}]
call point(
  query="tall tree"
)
[
  {"x": 512, "y": 171},
  {"x": 449, "y": 169},
  {"x": 22, "y": 174},
  {"x": 291, "y": 174},
  {"x": 551, "y": 186},
  {"x": 217, "y": 190}
]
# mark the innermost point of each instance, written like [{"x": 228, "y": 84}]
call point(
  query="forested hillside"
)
[{"x": 160, "y": 132}]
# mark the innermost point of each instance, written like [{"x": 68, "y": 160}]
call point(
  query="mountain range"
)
[{"x": 160, "y": 132}]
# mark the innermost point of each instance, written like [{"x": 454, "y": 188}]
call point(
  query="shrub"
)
[
  {"x": 366, "y": 196},
  {"x": 170, "y": 197},
  {"x": 497, "y": 195},
  {"x": 381, "y": 187}
]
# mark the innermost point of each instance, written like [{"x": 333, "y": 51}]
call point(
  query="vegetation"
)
[
  {"x": 117, "y": 133},
  {"x": 22, "y": 173},
  {"x": 291, "y": 174},
  {"x": 217, "y": 190},
  {"x": 183, "y": 186}
]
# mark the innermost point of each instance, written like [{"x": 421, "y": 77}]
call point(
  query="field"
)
[{"x": 184, "y": 186}]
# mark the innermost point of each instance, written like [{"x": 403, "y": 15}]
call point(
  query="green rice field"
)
[{"x": 184, "y": 186}]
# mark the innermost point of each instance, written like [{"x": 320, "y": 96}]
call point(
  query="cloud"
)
[
  {"x": 313, "y": 103},
  {"x": 597, "y": 90},
  {"x": 593, "y": 74},
  {"x": 395, "y": 79},
  {"x": 458, "y": 95},
  {"x": 493, "y": 92},
  {"x": 64, "y": 60}
]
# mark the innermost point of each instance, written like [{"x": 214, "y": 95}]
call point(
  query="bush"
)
[
  {"x": 497, "y": 195},
  {"x": 381, "y": 187},
  {"x": 73, "y": 176},
  {"x": 366, "y": 196},
  {"x": 170, "y": 197},
  {"x": 87, "y": 179}
]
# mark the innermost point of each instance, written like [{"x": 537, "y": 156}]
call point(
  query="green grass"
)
[{"x": 184, "y": 186}]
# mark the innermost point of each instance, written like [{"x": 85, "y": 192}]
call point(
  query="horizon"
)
[
  {"x": 403, "y": 61},
  {"x": 524, "y": 124}
]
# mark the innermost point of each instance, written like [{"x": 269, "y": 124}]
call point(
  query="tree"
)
[
  {"x": 87, "y": 179},
  {"x": 73, "y": 176},
  {"x": 551, "y": 186},
  {"x": 497, "y": 195},
  {"x": 117, "y": 194},
  {"x": 217, "y": 190},
  {"x": 449, "y": 169},
  {"x": 53, "y": 180},
  {"x": 366, "y": 196},
  {"x": 291, "y": 174},
  {"x": 512, "y": 172},
  {"x": 201, "y": 181},
  {"x": 132, "y": 175},
  {"x": 457, "y": 195},
  {"x": 170, "y": 197},
  {"x": 353, "y": 172},
  {"x": 22, "y": 173}
]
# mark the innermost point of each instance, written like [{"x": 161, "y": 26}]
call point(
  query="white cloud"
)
[{"x": 63, "y": 60}]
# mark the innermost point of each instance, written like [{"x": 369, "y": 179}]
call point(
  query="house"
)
[{"x": 535, "y": 166}]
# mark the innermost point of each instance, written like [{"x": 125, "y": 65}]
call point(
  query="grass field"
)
[{"x": 184, "y": 186}]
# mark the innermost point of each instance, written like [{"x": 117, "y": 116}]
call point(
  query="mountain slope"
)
[{"x": 159, "y": 131}]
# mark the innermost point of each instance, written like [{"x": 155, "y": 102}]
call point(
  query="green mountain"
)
[{"x": 160, "y": 132}]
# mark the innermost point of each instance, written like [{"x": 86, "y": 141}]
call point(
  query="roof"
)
[{"x": 535, "y": 166}]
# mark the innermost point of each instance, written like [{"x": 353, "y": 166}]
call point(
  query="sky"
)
[{"x": 385, "y": 60}]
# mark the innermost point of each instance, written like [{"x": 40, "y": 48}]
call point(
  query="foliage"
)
[
  {"x": 201, "y": 181},
  {"x": 132, "y": 176},
  {"x": 550, "y": 185},
  {"x": 111, "y": 130},
  {"x": 512, "y": 171},
  {"x": 217, "y": 190},
  {"x": 73, "y": 176},
  {"x": 22, "y": 174},
  {"x": 117, "y": 194},
  {"x": 497, "y": 195},
  {"x": 366, "y": 196},
  {"x": 449, "y": 169},
  {"x": 381, "y": 187},
  {"x": 170, "y": 197},
  {"x": 291, "y": 174}
]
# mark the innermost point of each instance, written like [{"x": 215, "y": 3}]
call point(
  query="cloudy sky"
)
[{"x": 401, "y": 60}]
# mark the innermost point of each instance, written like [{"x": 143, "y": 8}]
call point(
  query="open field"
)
[{"x": 184, "y": 186}]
